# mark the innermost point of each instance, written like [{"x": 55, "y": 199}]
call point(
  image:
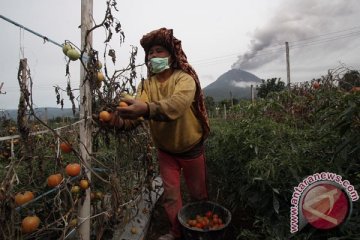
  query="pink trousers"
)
[{"x": 194, "y": 172}]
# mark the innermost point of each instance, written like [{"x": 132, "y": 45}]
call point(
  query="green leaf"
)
[
  {"x": 276, "y": 204},
  {"x": 276, "y": 190}
]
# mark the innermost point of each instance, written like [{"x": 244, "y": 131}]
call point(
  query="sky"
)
[{"x": 216, "y": 36}]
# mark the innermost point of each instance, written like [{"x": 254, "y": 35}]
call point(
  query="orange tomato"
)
[
  {"x": 73, "y": 169},
  {"x": 84, "y": 184},
  {"x": 21, "y": 198},
  {"x": 30, "y": 224},
  {"x": 199, "y": 225},
  {"x": 65, "y": 147},
  {"x": 123, "y": 104},
  {"x": 204, "y": 222},
  {"x": 54, "y": 180},
  {"x": 188, "y": 222},
  {"x": 100, "y": 76},
  {"x": 105, "y": 116},
  {"x": 192, "y": 222}
]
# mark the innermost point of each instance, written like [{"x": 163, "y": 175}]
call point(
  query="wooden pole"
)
[
  {"x": 22, "y": 118},
  {"x": 287, "y": 64},
  {"x": 22, "y": 103},
  {"x": 85, "y": 115}
]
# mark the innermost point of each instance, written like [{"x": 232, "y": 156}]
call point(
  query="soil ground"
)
[{"x": 159, "y": 223}]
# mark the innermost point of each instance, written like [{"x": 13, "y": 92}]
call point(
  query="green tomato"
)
[
  {"x": 73, "y": 54},
  {"x": 66, "y": 48},
  {"x": 75, "y": 189}
]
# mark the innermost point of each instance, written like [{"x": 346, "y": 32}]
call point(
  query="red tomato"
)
[
  {"x": 73, "y": 169},
  {"x": 65, "y": 147},
  {"x": 199, "y": 225},
  {"x": 54, "y": 180},
  {"x": 21, "y": 198}
]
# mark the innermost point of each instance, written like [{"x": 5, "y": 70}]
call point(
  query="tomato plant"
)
[
  {"x": 259, "y": 153},
  {"x": 119, "y": 169}
]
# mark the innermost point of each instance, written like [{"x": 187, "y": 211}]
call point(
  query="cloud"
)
[
  {"x": 243, "y": 84},
  {"x": 296, "y": 21}
]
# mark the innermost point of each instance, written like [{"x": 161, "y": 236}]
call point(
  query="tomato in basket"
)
[{"x": 208, "y": 221}]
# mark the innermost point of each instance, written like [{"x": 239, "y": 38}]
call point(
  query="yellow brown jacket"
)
[{"x": 173, "y": 123}]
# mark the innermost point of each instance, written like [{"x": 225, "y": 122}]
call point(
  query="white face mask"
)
[{"x": 158, "y": 65}]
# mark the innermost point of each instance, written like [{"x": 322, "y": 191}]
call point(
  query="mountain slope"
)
[
  {"x": 40, "y": 112},
  {"x": 235, "y": 82}
]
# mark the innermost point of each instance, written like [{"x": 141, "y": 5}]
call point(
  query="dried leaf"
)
[
  {"x": 118, "y": 27},
  {"x": 109, "y": 37},
  {"x": 112, "y": 55}
]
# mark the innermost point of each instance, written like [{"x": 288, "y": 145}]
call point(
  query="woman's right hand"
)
[
  {"x": 135, "y": 109},
  {"x": 116, "y": 120}
]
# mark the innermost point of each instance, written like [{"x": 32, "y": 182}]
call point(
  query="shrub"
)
[{"x": 259, "y": 155}]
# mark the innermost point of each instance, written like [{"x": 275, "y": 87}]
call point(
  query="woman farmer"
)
[{"x": 172, "y": 101}]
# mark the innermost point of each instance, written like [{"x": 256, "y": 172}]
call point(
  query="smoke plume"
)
[{"x": 293, "y": 21}]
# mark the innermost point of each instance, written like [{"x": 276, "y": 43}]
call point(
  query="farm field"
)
[
  {"x": 256, "y": 156},
  {"x": 265, "y": 149},
  {"x": 285, "y": 163}
]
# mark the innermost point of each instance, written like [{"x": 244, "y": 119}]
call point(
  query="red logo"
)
[{"x": 325, "y": 206}]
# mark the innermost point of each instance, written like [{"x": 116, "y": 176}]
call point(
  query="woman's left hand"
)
[{"x": 135, "y": 109}]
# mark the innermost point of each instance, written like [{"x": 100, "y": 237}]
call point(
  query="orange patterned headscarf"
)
[{"x": 165, "y": 38}]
